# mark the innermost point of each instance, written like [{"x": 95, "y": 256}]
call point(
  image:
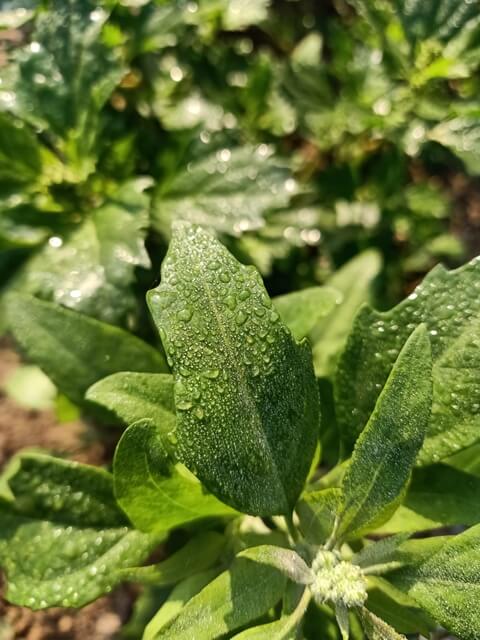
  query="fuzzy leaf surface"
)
[
  {"x": 447, "y": 584},
  {"x": 386, "y": 450},
  {"x": 377, "y": 629},
  {"x": 156, "y": 493},
  {"x": 317, "y": 511},
  {"x": 245, "y": 391},
  {"x": 72, "y": 349},
  {"x": 63, "y": 540},
  {"x": 447, "y": 302},
  {"x": 245, "y": 592}
]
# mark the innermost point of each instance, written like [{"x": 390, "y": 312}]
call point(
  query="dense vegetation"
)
[{"x": 281, "y": 443}]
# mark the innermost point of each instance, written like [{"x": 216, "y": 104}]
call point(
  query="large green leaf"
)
[
  {"x": 447, "y": 302},
  {"x": 137, "y": 396},
  {"x": 63, "y": 540},
  {"x": 437, "y": 496},
  {"x": 354, "y": 282},
  {"x": 74, "y": 350},
  {"x": 302, "y": 310},
  {"x": 447, "y": 584},
  {"x": 245, "y": 393},
  {"x": 317, "y": 511},
  {"x": 386, "y": 450},
  {"x": 92, "y": 268},
  {"x": 229, "y": 189},
  {"x": 82, "y": 73},
  {"x": 245, "y": 592},
  {"x": 155, "y": 493}
]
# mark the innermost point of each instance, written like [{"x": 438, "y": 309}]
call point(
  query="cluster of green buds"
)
[{"x": 336, "y": 581}]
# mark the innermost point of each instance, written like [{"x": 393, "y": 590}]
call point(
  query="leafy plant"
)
[{"x": 224, "y": 441}]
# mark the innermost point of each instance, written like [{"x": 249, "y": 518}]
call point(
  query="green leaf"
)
[
  {"x": 29, "y": 387},
  {"x": 228, "y": 189},
  {"x": 245, "y": 393},
  {"x": 82, "y": 73},
  {"x": 379, "y": 555},
  {"x": 317, "y": 511},
  {"x": 438, "y": 496},
  {"x": 177, "y": 599},
  {"x": 240, "y": 14},
  {"x": 461, "y": 135},
  {"x": 447, "y": 584},
  {"x": 447, "y": 302},
  {"x": 63, "y": 541},
  {"x": 467, "y": 460},
  {"x": 73, "y": 350},
  {"x": 245, "y": 592},
  {"x": 301, "y": 310},
  {"x": 386, "y": 450},
  {"x": 199, "y": 554},
  {"x": 20, "y": 158},
  {"x": 396, "y": 608},
  {"x": 377, "y": 629},
  {"x": 92, "y": 267},
  {"x": 156, "y": 493},
  {"x": 136, "y": 396},
  {"x": 354, "y": 282}
]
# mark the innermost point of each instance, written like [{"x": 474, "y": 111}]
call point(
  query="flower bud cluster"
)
[{"x": 337, "y": 581}]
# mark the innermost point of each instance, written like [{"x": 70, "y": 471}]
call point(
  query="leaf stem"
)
[
  {"x": 291, "y": 528},
  {"x": 297, "y": 614}
]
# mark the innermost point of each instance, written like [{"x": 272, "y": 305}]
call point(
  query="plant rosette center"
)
[{"x": 337, "y": 581}]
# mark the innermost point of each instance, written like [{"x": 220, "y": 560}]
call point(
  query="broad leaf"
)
[
  {"x": 438, "y": 496},
  {"x": 301, "y": 310},
  {"x": 245, "y": 392},
  {"x": 72, "y": 349},
  {"x": 63, "y": 540},
  {"x": 154, "y": 492},
  {"x": 467, "y": 460},
  {"x": 92, "y": 267},
  {"x": 447, "y": 302},
  {"x": 236, "y": 597},
  {"x": 317, "y": 511},
  {"x": 447, "y": 584},
  {"x": 377, "y": 629},
  {"x": 229, "y": 189},
  {"x": 386, "y": 450},
  {"x": 354, "y": 282},
  {"x": 137, "y": 396}
]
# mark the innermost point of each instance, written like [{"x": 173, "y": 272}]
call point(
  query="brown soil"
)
[{"x": 20, "y": 428}]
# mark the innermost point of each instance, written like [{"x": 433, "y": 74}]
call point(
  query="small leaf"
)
[
  {"x": 447, "y": 583},
  {"x": 236, "y": 597},
  {"x": 29, "y": 387},
  {"x": 198, "y": 555},
  {"x": 245, "y": 394},
  {"x": 155, "y": 493},
  {"x": 72, "y": 349},
  {"x": 301, "y": 310},
  {"x": 136, "y": 396},
  {"x": 64, "y": 548},
  {"x": 177, "y": 599},
  {"x": 377, "y": 629},
  {"x": 379, "y": 554},
  {"x": 447, "y": 302},
  {"x": 354, "y": 282},
  {"x": 387, "y": 448},
  {"x": 317, "y": 511}
]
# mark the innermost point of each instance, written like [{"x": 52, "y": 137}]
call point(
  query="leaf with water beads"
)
[
  {"x": 245, "y": 392},
  {"x": 448, "y": 303},
  {"x": 384, "y": 454},
  {"x": 63, "y": 540}
]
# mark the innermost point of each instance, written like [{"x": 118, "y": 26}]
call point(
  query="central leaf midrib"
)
[{"x": 257, "y": 422}]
